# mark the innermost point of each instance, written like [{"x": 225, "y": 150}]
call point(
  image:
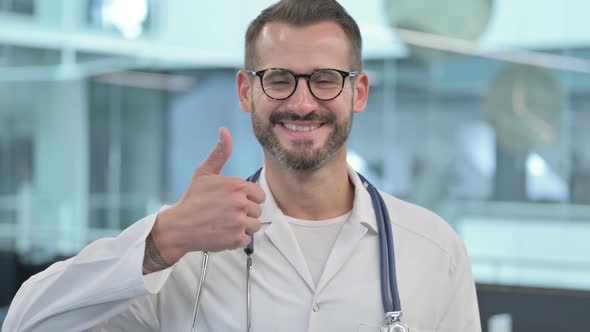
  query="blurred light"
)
[
  {"x": 500, "y": 323},
  {"x": 543, "y": 182},
  {"x": 536, "y": 165},
  {"x": 126, "y": 15},
  {"x": 357, "y": 162},
  {"x": 479, "y": 143}
]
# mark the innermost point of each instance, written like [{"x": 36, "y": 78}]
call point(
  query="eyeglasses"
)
[{"x": 324, "y": 84}]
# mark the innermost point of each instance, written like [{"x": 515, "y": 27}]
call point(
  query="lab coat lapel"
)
[
  {"x": 362, "y": 220},
  {"x": 280, "y": 234},
  {"x": 345, "y": 245}
]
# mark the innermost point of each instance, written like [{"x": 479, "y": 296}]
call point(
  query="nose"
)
[{"x": 302, "y": 101}]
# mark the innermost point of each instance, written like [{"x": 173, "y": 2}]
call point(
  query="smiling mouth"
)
[{"x": 301, "y": 128}]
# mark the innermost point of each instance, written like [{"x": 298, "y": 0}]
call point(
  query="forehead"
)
[{"x": 303, "y": 48}]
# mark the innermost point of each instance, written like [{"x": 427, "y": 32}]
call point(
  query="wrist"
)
[{"x": 156, "y": 253}]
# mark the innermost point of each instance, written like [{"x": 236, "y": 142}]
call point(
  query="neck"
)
[{"x": 318, "y": 194}]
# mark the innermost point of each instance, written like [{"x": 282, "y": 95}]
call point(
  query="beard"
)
[{"x": 301, "y": 156}]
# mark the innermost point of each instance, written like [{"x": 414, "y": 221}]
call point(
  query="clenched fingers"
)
[
  {"x": 252, "y": 225},
  {"x": 253, "y": 210},
  {"x": 255, "y": 193}
]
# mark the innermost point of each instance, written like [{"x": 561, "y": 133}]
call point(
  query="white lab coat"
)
[{"x": 103, "y": 289}]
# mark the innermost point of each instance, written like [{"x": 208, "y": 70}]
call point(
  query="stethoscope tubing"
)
[
  {"x": 389, "y": 289},
  {"x": 204, "y": 264}
]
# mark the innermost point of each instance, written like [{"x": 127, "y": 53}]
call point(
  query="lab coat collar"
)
[
  {"x": 362, "y": 208},
  {"x": 270, "y": 207},
  {"x": 279, "y": 233}
]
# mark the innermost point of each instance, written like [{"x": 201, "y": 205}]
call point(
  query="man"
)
[{"x": 316, "y": 262}]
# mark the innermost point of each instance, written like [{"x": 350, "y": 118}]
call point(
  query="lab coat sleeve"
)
[
  {"x": 100, "y": 289},
  {"x": 462, "y": 311}
]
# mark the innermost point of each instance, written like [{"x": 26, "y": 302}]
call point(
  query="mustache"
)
[{"x": 280, "y": 116}]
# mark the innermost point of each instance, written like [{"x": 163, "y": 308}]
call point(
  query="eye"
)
[
  {"x": 326, "y": 78},
  {"x": 278, "y": 78},
  {"x": 279, "y": 82}
]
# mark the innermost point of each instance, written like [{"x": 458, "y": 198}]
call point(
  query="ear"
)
[
  {"x": 361, "y": 93},
  {"x": 244, "y": 90}
]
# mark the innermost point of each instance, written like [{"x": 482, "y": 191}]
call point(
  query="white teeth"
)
[{"x": 300, "y": 128}]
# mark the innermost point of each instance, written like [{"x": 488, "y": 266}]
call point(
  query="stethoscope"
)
[{"x": 389, "y": 290}]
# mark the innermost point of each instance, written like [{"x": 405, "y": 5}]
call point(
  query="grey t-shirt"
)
[{"x": 316, "y": 239}]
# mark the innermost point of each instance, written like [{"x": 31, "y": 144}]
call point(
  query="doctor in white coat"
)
[{"x": 316, "y": 262}]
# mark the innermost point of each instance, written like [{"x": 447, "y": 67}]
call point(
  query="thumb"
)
[{"x": 219, "y": 156}]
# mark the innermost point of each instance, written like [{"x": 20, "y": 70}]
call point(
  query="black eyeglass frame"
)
[{"x": 307, "y": 77}]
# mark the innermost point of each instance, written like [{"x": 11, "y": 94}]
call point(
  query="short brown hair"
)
[{"x": 301, "y": 13}]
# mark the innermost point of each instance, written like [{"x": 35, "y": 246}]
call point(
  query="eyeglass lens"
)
[{"x": 280, "y": 84}]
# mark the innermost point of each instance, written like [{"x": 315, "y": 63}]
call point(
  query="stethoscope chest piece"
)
[
  {"x": 396, "y": 326},
  {"x": 394, "y": 323},
  {"x": 389, "y": 289}
]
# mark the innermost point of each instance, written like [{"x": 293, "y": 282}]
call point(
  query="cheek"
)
[
  {"x": 341, "y": 106},
  {"x": 263, "y": 104},
  {"x": 259, "y": 96}
]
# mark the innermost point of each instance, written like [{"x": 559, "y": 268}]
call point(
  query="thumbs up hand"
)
[
  {"x": 215, "y": 213},
  {"x": 218, "y": 157}
]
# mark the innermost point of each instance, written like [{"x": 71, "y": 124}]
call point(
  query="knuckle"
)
[
  {"x": 262, "y": 194},
  {"x": 238, "y": 184},
  {"x": 254, "y": 213},
  {"x": 237, "y": 241},
  {"x": 244, "y": 201},
  {"x": 257, "y": 226},
  {"x": 258, "y": 211},
  {"x": 240, "y": 222},
  {"x": 241, "y": 202}
]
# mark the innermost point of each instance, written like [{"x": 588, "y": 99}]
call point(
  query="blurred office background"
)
[{"x": 479, "y": 110}]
